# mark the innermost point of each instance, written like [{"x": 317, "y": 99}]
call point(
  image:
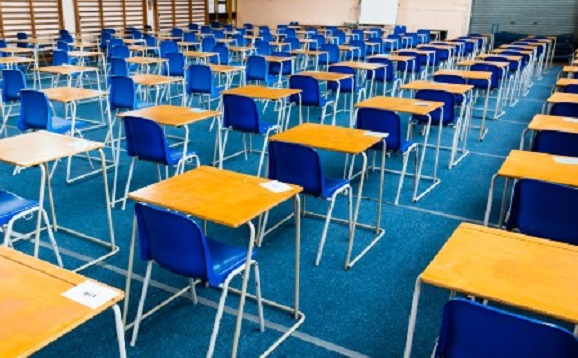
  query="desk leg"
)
[
  {"x": 297, "y": 253},
  {"x": 129, "y": 271},
  {"x": 412, "y": 319},
  {"x": 356, "y": 212},
  {"x": 244, "y": 290},
  {"x": 504, "y": 202},
  {"x": 483, "y": 130},
  {"x": 490, "y": 200},
  {"x": 119, "y": 331},
  {"x": 420, "y": 165},
  {"x": 43, "y": 179}
]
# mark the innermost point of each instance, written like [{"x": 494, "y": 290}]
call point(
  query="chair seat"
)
[
  {"x": 61, "y": 125},
  {"x": 176, "y": 153},
  {"x": 331, "y": 185},
  {"x": 12, "y": 205},
  {"x": 226, "y": 258}
]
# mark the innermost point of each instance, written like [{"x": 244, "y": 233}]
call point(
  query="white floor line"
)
[
  {"x": 232, "y": 311},
  {"x": 439, "y": 213},
  {"x": 488, "y": 155}
]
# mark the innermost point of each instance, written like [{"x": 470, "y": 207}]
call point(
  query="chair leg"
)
[
  {"x": 218, "y": 319},
  {"x": 51, "y": 237},
  {"x": 193, "y": 290},
  {"x": 258, "y": 294},
  {"x": 325, "y": 227},
  {"x": 143, "y": 296},
  {"x": 401, "y": 177},
  {"x": 126, "y": 188},
  {"x": 262, "y": 228}
]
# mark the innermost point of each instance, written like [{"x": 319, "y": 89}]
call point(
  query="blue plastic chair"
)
[
  {"x": 22, "y": 36},
  {"x": 545, "y": 210},
  {"x": 473, "y": 330},
  {"x": 284, "y": 69},
  {"x": 262, "y": 48},
  {"x": 145, "y": 140},
  {"x": 119, "y": 67},
  {"x": 193, "y": 26},
  {"x": 13, "y": 208},
  {"x": 426, "y": 36},
  {"x": 258, "y": 71},
  {"x": 168, "y": 46},
  {"x": 223, "y": 54},
  {"x": 13, "y": 82},
  {"x": 453, "y": 79},
  {"x": 190, "y": 37},
  {"x": 331, "y": 57},
  {"x": 123, "y": 95},
  {"x": 200, "y": 81},
  {"x": 176, "y": 243},
  {"x": 36, "y": 114},
  {"x": 556, "y": 143},
  {"x": 348, "y": 86},
  {"x": 176, "y": 32},
  {"x": 208, "y": 43},
  {"x": 318, "y": 41},
  {"x": 385, "y": 75},
  {"x": 359, "y": 53},
  {"x": 571, "y": 89},
  {"x": 219, "y": 34},
  {"x": 176, "y": 65},
  {"x": 60, "y": 58},
  {"x": 240, "y": 114},
  {"x": 301, "y": 165},
  {"x": 239, "y": 40},
  {"x": 448, "y": 115},
  {"x": 566, "y": 109},
  {"x": 310, "y": 96},
  {"x": 293, "y": 42}
]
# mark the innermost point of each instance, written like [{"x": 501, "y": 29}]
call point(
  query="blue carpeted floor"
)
[{"x": 360, "y": 312}]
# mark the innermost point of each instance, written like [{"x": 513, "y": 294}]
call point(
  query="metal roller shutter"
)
[{"x": 39, "y": 18}]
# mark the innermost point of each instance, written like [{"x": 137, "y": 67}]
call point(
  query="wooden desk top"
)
[
  {"x": 71, "y": 94},
  {"x": 278, "y": 58},
  {"x": 307, "y": 52},
  {"x": 35, "y": 41},
  {"x": 570, "y": 69},
  {"x": 84, "y": 53},
  {"x": 65, "y": 69},
  {"x": 448, "y": 87},
  {"x": 326, "y": 76},
  {"x": 145, "y": 60},
  {"x": 221, "y": 196},
  {"x": 471, "y": 75},
  {"x": 154, "y": 80},
  {"x": 546, "y": 122},
  {"x": 34, "y": 148},
  {"x": 403, "y": 58},
  {"x": 469, "y": 63},
  {"x": 539, "y": 166},
  {"x": 534, "y": 274},
  {"x": 171, "y": 115},
  {"x": 396, "y": 104},
  {"x": 500, "y": 50},
  {"x": 16, "y": 50},
  {"x": 15, "y": 59},
  {"x": 360, "y": 65},
  {"x": 33, "y": 312},
  {"x": 262, "y": 92},
  {"x": 134, "y": 41},
  {"x": 507, "y": 57},
  {"x": 347, "y": 48},
  {"x": 239, "y": 49},
  {"x": 226, "y": 68},
  {"x": 439, "y": 47},
  {"x": 188, "y": 43},
  {"x": 446, "y": 44},
  {"x": 558, "y": 97},
  {"x": 84, "y": 44},
  {"x": 334, "y": 138},
  {"x": 524, "y": 47},
  {"x": 199, "y": 54},
  {"x": 563, "y": 82}
]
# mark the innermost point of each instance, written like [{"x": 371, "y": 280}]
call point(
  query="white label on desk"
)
[
  {"x": 79, "y": 144},
  {"x": 571, "y": 120},
  {"x": 376, "y": 134},
  {"x": 421, "y": 104},
  {"x": 197, "y": 110},
  {"x": 276, "y": 186},
  {"x": 566, "y": 160},
  {"x": 90, "y": 294}
]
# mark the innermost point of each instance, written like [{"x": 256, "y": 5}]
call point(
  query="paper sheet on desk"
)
[
  {"x": 90, "y": 294},
  {"x": 276, "y": 186},
  {"x": 571, "y": 120},
  {"x": 566, "y": 160},
  {"x": 376, "y": 134}
]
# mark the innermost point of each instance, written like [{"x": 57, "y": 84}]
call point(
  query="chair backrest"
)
[
  {"x": 340, "y": 37},
  {"x": 224, "y": 56},
  {"x": 122, "y": 93},
  {"x": 439, "y": 96},
  {"x": 176, "y": 32},
  {"x": 121, "y": 51},
  {"x": 494, "y": 80},
  {"x": 193, "y": 26},
  {"x": 571, "y": 89},
  {"x": 346, "y": 85},
  {"x": 545, "y": 210},
  {"x": 199, "y": 79},
  {"x": 361, "y": 50},
  {"x": 118, "y": 67},
  {"x": 310, "y": 91},
  {"x": 60, "y": 58},
  {"x": 332, "y": 51},
  {"x": 239, "y": 40},
  {"x": 248, "y": 26},
  {"x": 257, "y": 68},
  {"x": 357, "y": 35},
  {"x": 14, "y": 82},
  {"x": 290, "y": 33},
  {"x": 275, "y": 67},
  {"x": 470, "y": 329},
  {"x": 293, "y": 42},
  {"x": 176, "y": 64},
  {"x": 556, "y": 143},
  {"x": 206, "y": 29},
  {"x": 219, "y": 34},
  {"x": 376, "y": 32},
  {"x": 215, "y": 24},
  {"x": 35, "y": 111},
  {"x": 62, "y": 46},
  {"x": 427, "y": 34},
  {"x": 228, "y": 27},
  {"x": 296, "y": 164},
  {"x": 208, "y": 44},
  {"x": 378, "y": 120},
  {"x": 190, "y": 37},
  {"x": 567, "y": 109},
  {"x": 450, "y": 79},
  {"x": 399, "y": 29},
  {"x": 382, "y": 74},
  {"x": 262, "y": 48},
  {"x": 240, "y": 113},
  {"x": 174, "y": 241},
  {"x": 412, "y": 66},
  {"x": 168, "y": 46},
  {"x": 145, "y": 139},
  {"x": 150, "y": 40},
  {"x": 318, "y": 41}
]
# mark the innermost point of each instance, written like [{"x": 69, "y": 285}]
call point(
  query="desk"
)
[
  {"x": 522, "y": 271},
  {"x": 166, "y": 115},
  {"x": 11, "y": 61},
  {"x": 349, "y": 141},
  {"x": 456, "y": 89},
  {"x": 81, "y": 55},
  {"x": 543, "y": 122},
  {"x": 229, "y": 71},
  {"x": 42, "y": 148},
  {"x": 230, "y": 199},
  {"x": 146, "y": 62},
  {"x": 397, "y": 58},
  {"x": 570, "y": 71},
  {"x": 33, "y": 311},
  {"x": 477, "y": 75},
  {"x": 530, "y": 165},
  {"x": 67, "y": 71},
  {"x": 327, "y": 77},
  {"x": 306, "y": 54},
  {"x": 150, "y": 80},
  {"x": 565, "y": 82},
  {"x": 200, "y": 56},
  {"x": 281, "y": 61},
  {"x": 416, "y": 107},
  {"x": 559, "y": 97}
]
